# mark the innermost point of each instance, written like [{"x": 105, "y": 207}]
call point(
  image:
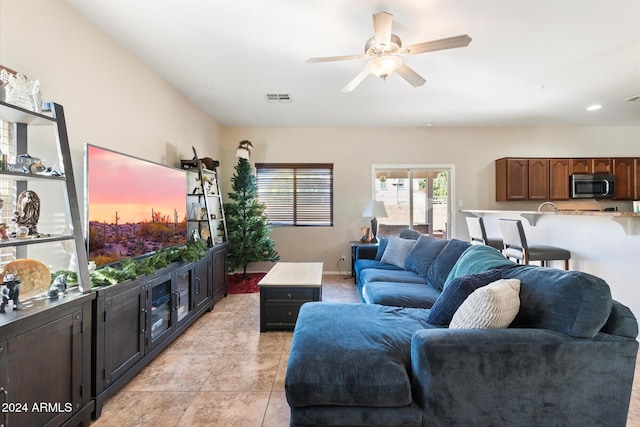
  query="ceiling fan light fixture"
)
[{"x": 384, "y": 66}]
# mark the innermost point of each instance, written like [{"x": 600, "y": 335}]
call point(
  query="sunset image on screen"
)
[{"x": 134, "y": 206}]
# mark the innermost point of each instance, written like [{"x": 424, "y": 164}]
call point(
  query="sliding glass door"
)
[{"x": 414, "y": 196}]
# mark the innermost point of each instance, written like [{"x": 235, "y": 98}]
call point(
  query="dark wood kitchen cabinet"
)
[
  {"x": 580, "y": 166},
  {"x": 624, "y": 171},
  {"x": 538, "y": 179},
  {"x": 636, "y": 191},
  {"x": 590, "y": 165},
  {"x": 548, "y": 178},
  {"x": 559, "y": 179},
  {"x": 602, "y": 165},
  {"x": 512, "y": 179}
]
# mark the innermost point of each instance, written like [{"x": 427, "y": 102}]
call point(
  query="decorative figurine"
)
[
  {"x": 23, "y": 93},
  {"x": 3, "y": 231},
  {"x": 244, "y": 149},
  {"x": 28, "y": 213},
  {"x": 59, "y": 286},
  {"x": 10, "y": 291},
  {"x": 3, "y": 225}
]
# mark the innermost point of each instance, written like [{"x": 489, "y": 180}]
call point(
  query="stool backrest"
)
[
  {"x": 477, "y": 232},
  {"x": 513, "y": 234}
]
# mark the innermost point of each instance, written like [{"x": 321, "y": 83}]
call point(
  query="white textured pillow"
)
[
  {"x": 489, "y": 307},
  {"x": 397, "y": 250}
]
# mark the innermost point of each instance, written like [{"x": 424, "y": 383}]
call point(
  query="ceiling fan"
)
[{"x": 385, "y": 51}]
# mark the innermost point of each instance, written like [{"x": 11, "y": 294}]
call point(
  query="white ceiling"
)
[{"x": 531, "y": 62}]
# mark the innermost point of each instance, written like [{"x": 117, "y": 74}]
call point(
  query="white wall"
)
[
  {"x": 599, "y": 246},
  {"x": 110, "y": 98}
]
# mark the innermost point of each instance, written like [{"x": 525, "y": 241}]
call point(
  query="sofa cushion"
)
[
  {"x": 389, "y": 275},
  {"x": 400, "y": 294},
  {"x": 363, "y": 264},
  {"x": 489, "y": 307},
  {"x": 407, "y": 233},
  {"x": 352, "y": 355},
  {"x": 571, "y": 302},
  {"x": 444, "y": 262},
  {"x": 475, "y": 259},
  {"x": 456, "y": 293},
  {"x": 422, "y": 254},
  {"x": 397, "y": 250}
]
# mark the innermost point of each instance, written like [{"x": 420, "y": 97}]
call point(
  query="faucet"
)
[{"x": 555, "y": 208}]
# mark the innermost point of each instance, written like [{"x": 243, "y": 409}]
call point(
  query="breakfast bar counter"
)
[{"x": 629, "y": 221}]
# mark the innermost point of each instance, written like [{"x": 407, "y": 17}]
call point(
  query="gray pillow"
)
[{"x": 397, "y": 250}]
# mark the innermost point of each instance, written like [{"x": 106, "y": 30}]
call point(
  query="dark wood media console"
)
[{"x": 134, "y": 321}]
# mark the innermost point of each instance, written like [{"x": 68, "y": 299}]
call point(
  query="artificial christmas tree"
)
[{"x": 249, "y": 234}]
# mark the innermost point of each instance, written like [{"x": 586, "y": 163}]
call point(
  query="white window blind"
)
[{"x": 296, "y": 194}]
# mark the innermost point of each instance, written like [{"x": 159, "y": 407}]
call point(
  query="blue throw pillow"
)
[
  {"x": 476, "y": 259},
  {"x": 456, "y": 292},
  {"x": 422, "y": 254},
  {"x": 382, "y": 245},
  {"x": 397, "y": 251}
]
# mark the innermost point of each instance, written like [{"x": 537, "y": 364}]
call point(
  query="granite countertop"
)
[
  {"x": 559, "y": 212},
  {"x": 629, "y": 221}
]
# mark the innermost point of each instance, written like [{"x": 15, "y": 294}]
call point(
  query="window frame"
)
[{"x": 299, "y": 171}]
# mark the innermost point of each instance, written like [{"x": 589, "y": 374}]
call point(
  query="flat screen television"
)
[{"x": 133, "y": 206}]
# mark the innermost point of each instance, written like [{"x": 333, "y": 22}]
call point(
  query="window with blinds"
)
[{"x": 296, "y": 194}]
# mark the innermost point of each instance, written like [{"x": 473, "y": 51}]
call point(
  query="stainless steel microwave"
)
[{"x": 593, "y": 186}]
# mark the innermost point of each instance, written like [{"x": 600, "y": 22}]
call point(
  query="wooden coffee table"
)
[{"x": 284, "y": 289}]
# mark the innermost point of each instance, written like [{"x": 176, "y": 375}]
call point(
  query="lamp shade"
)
[{"x": 374, "y": 208}]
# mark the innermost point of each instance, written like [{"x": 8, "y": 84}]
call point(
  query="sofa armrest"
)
[
  {"x": 366, "y": 252},
  {"x": 521, "y": 377}
]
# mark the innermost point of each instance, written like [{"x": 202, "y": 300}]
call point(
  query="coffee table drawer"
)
[
  {"x": 289, "y": 294},
  {"x": 279, "y": 306},
  {"x": 282, "y": 315}
]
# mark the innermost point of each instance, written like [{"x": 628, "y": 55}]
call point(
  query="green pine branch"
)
[{"x": 247, "y": 226}]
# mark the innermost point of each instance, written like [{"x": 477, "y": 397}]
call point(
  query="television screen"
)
[{"x": 133, "y": 206}]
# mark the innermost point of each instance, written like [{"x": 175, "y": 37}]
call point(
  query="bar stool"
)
[
  {"x": 478, "y": 234},
  {"x": 515, "y": 246}
]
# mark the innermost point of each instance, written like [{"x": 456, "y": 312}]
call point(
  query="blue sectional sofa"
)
[
  {"x": 567, "y": 358},
  {"x": 418, "y": 281}
]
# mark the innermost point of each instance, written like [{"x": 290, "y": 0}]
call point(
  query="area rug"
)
[{"x": 238, "y": 285}]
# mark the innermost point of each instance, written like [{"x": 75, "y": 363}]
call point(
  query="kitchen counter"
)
[{"x": 629, "y": 221}]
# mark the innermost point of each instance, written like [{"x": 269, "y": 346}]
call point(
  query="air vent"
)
[
  {"x": 633, "y": 99},
  {"x": 278, "y": 97}
]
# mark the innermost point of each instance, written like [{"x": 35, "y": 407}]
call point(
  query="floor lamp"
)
[{"x": 373, "y": 210}]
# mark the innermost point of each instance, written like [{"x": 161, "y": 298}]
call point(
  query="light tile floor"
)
[
  {"x": 224, "y": 372},
  {"x": 221, "y": 372}
]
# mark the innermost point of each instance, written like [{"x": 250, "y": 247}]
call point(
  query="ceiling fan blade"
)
[
  {"x": 355, "y": 82},
  {"x": 448, "y": 43},
  {"x": 382, "y": 28},
  {"x": 336, "y": 58},
  {"x": 411, "y": 76}
]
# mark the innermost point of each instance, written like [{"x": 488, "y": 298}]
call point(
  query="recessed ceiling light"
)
[{"x": 594, "y": 107}]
